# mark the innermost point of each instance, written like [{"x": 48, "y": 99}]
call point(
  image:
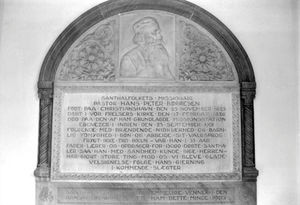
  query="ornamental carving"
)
[
  {"x": 46, "y": 195},
  {"x": 200, "y": 59},
  {"x": 93, "y": 57},
  {"x": 146, "y": 54}
]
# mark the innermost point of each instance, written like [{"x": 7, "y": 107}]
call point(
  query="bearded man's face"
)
[{"x": 152, "y": 35}]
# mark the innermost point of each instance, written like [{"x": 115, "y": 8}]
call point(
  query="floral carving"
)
[
  {"x": 200, "y": 59},
  {"x": 46, "y": 195},
  {"x": 92, "y": 59}
]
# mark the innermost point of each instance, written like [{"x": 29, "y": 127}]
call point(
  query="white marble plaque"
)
[{"x": 118, "y": 133}]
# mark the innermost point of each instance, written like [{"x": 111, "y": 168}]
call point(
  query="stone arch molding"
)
[{"x": 197, "y": 47}]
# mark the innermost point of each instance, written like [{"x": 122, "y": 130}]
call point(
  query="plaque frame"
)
[
  {"x": 180, "y": 7},
  {"x": 236, "y": 142}
]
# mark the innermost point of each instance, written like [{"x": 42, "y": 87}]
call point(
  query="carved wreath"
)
[
  {"x": 91, "y": 58},
  {"x": 201, "y": 59}
]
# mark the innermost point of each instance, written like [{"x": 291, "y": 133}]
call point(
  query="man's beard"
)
[{"x": 156, "y": 53}]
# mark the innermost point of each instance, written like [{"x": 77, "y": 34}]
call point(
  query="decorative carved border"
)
[
  {"x": 236, "y": 132},
  {"x": 45, "y": 127},
  {"x": 248, "y": 92},
  {"x": 56, "y": 139},
  {"x": 56, "y": 174},
  {"x": 143, "y": 87}
]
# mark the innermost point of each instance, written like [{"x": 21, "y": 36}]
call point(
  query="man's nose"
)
[{"x": 159, "y": 36}]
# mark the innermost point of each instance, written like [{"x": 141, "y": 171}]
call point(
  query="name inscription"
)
[
  {"x": 174, "y": 195},
  {"x": 122, "y": 132}
]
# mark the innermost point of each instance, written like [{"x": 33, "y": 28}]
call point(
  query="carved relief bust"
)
[{"x": 149, "y": 59}]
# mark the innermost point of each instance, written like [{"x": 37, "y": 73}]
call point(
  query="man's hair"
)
[{"x": 139, "y": 28}]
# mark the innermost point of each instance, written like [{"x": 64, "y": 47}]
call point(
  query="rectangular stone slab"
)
[
  {"x": 162, "y": 133},
  {"x": 216, "y": 193}
]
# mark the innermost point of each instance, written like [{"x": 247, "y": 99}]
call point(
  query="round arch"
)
[
  {"x": 179, "y": 7},
  {"x": 182, "y": 8}
]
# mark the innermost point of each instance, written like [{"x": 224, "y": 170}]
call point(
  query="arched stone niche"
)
[{"x": 186, "y": 52}]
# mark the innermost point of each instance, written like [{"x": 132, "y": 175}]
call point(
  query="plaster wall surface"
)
[{"x": 266, "y": 29}]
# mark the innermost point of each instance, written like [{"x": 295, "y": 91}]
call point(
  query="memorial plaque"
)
[
  {"x": 129, "y": 130},
  {"x": 148, "y": 103},
  {"x": 152, "y": 117}
]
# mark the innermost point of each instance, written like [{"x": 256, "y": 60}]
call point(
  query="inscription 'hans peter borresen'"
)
[{"x": 147, "y": 133}]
